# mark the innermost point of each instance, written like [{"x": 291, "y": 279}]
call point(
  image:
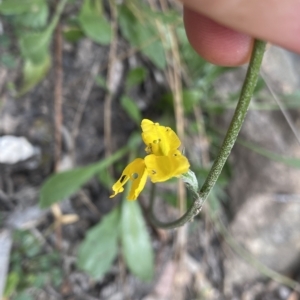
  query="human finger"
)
[
  {"x": 275, "y": 21},
  {"x": 214, "y": 42}
]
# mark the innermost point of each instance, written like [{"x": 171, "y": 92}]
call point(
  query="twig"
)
[
  {"x": 90, "y": 205},
  {"x": 109, "y": 96},
  {"x": 83, "y": 100},
  {"x": 58, "y": 117},
  {"x": 176, "y": 86}
]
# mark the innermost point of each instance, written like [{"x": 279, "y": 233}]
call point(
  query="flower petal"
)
[
  {"x": 162, "y": 168},
  {"x": 137, "y": 173},
  {"x": 139, "y": 179},
  {"x": 160, "y": 140}
]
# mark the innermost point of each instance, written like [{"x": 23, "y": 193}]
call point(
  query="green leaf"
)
[
  {"x": 135, "y": 77},
  {"x": 128, "y": 25},
  {"x": 136, "y": 244},
  {"x": 64, "y": 184},
  {"x": 94, "y": 24},
  {"x": 34, "y": 46},
  {"x": 36, "y": 18},
  {"x": 143, "y": 35},
  {"x": 72, "y": 34},
  {"x": 16, "y": 7},
  {"x": 33, "y": 74},
  {"x": 131, "y": 109},
  {"x": 106, "y": 179},
  {"x": 100, "y": 247},
  {"x": 59, "y": 186}
]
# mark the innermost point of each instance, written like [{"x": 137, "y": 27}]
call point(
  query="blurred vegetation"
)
[{"x": 31, "y": 267}]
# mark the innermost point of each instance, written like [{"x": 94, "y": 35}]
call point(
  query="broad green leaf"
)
[
  {"x": 136, "y": 244},
  {"x": 143, "y": 35},
  {"x": 152, "y": 47},
  {"x": 135, "y": 77},
  {"x": 128, "y": 25},
  {"x": 61, "y": 185},
  {"x": 132, "y": 109},
  {"x": 106, "y": 179},
  {"x": 36, "y": 18},
  {"x": 33, "y": 74},
  {"x": 15, "y": 7},
  {"x": 93, "y": 22},
  {"x": 64, "y": 184},
  {"x": 100, "y": 247},
  {"x": 34, "y": 46}
]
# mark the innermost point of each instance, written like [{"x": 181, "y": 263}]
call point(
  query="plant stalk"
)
[{"x": 229, "y": 141}]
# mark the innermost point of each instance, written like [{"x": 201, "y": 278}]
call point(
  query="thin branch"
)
[
  {"x": 228, "y": 143},
  {"x": 58, "y": 116},
  {"x": 84, "y": 98},
  {"x": 110, "y": 73},
  {"x": 176, "y": 86}
]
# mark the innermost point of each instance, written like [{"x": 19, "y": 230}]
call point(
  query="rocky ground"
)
[{"x": 261, "y": 211}]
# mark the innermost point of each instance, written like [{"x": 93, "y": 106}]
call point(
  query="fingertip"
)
[{"x": 215, "y": 43}]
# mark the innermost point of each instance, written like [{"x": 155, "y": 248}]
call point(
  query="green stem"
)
[
  {"x": 228, "y": 143},
  {"x": 55, "y": 19}
]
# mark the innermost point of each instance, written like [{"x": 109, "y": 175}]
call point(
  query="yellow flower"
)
[
  {"x": 162, "y": 168},
  {"x": 136, "y": 171},
  {"x": 160, "y": 140},
  {"x": 163, "y": 162}
]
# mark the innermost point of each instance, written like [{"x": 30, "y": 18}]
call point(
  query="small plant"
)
[{"x": 31, "y": 267}]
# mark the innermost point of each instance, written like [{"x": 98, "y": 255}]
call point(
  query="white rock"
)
[{"x": 14, "y": 149}]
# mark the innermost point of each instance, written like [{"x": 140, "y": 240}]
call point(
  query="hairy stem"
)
[{"x": 229, "y": 141}]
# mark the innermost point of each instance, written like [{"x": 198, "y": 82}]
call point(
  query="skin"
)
[{"x": 222, "y": 31}]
